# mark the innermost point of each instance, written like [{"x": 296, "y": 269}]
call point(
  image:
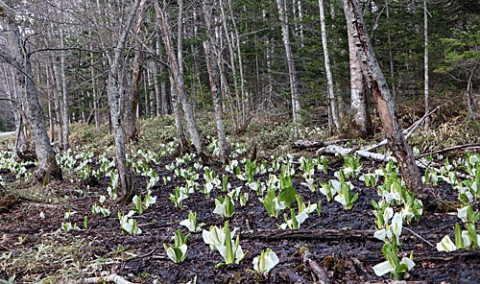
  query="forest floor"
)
[{"x": 35, "y": 249}]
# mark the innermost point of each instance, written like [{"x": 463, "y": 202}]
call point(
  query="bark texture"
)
[
  {"x": 176, "y": 70},
  {"x": 292, "y": 73},
  {"x": 425, "y": 64},
  {"x": 20, "y": 60},
  {"x": 115, "y": 103},
  {"x": 131, "y": 103},
  {"x": 215, "y": 90},
  {"x": 330, "y": 93},
  {"x": 384, "y": 102},
  {"x": 359, "y": 108},
  {"x": 64, "y": 100}
]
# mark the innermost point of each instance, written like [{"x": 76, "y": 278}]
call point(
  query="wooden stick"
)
[
  {"x": 307, "y": 144},
  {"x": 448, "y": 149},
  {"x": 334, "y": 149}
]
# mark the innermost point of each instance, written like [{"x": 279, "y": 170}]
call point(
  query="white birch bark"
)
[
  {"x": 330, "y": 93},
  {"x": 385, "y": 103},
  {"x": 358, "y": 104}
]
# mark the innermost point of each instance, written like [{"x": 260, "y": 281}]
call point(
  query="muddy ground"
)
[{"x": 341, "y": 242}]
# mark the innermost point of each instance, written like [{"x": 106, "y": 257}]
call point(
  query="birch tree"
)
[
  {"x": 384, "y": 101},
  {"x": 330, "y": 94},
  {"x": 292, "y": 73},
  {"x": 358, "y": 105}
]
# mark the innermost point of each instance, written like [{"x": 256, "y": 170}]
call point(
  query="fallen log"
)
[
  {"x": 335, "y": 149},
  {"x": 307, "y": 144},
  {"x": 383, "y": 158}
]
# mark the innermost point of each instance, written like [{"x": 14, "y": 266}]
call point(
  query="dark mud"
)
[{"x": 340, "y": 241}]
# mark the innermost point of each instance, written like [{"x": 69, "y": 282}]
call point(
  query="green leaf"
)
[
  {"x": 230, "y": 257},
  {"x": 287, "y": 195},
  {"x": 458, "y": 236},
  {"x": 269, "y": 204}
]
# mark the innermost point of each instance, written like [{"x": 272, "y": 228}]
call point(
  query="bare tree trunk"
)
[
  {"x": 300, "y": 19},
  {"x": 384, "y": 102},
  {"x": 130, "y": 103},
  {"x": 425, "y": 65},
  {"x": 471, "y": 106},
  {"x": 115, "y": 105},
  {"x": 20, "y": 60},
  {"x": 213, "y": 58},
  {"x": 157, "y": 88},
  {"x": 163, "y": 88},
  {"x": 16, "y": 102},
  {"x": 245, "y": 106},
  {"x": 56, "y": 94},
  {"x": 291, "y": 66},
  {"x": 177, "y": 113},
  {"x": 94, "y": 88},
  {"x": 359, "y": 108},
  {"x": 176, "y": 70},
  {"x": 186, "y": 105},
  {"x": 215, "y": 87},
  {"x": 237, "y": 110},
  {"x": 51, "y": 119},
  {"x": 330, "y": 94},
  {"x": 390, "y": 54},
  {"x": 131, "y": 100},
  {"x": 151, "y": 93},
  {"x": 64, "y": 101},
  {"x": 132, "y": 96}
]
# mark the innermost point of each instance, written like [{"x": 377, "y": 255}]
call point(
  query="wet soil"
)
[{"x": 340, "y": 241}]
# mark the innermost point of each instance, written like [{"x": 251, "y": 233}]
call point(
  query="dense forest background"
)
[{"x": 69, "y": 42}]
